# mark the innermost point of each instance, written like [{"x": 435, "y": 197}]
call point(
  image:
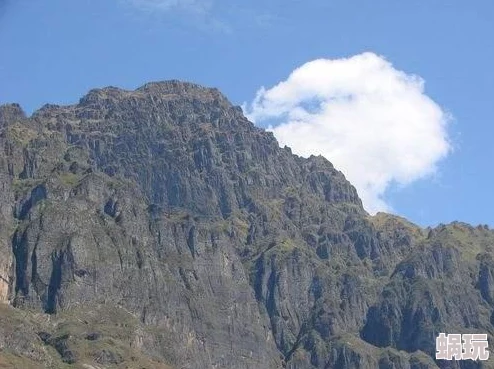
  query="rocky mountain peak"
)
[
  {"x": 176, "y": 87},
  {"x": 11, "y": 113},
  {"x": 157, "y": 91}
]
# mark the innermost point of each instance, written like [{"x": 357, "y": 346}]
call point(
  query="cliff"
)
[{"x": 159, "y": 228}]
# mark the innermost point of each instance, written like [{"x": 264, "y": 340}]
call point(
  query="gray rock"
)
[{"x": 223, "y": 249}]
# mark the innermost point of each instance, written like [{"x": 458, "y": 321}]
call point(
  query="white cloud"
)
[
  {"x": 372, "y": 121},
  {"x": 198, "y": 13},
  {"x": 166, "y": 5}
]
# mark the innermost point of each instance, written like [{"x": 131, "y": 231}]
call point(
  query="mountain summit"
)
[{"x": 159, "y": 228}]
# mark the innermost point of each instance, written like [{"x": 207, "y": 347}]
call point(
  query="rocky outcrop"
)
[{"x": 223, "y": 249}]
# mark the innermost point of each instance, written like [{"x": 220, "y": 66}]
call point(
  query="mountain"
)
[{"x": 159, "y": 228}]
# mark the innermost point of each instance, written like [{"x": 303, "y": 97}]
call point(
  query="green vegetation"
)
[
  {"x": 69, "y": 179},
  {"x": 21, "y": 134},
  {"x": 91, "y": 335},
  {"x": 468, "y": 240},
  {"x": 23, "y": 186}
]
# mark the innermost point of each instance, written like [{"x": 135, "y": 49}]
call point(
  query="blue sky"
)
[{"x": 54, "y": 51}]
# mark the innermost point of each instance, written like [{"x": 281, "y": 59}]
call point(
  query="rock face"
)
[{"x": 163, "y": 221}]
